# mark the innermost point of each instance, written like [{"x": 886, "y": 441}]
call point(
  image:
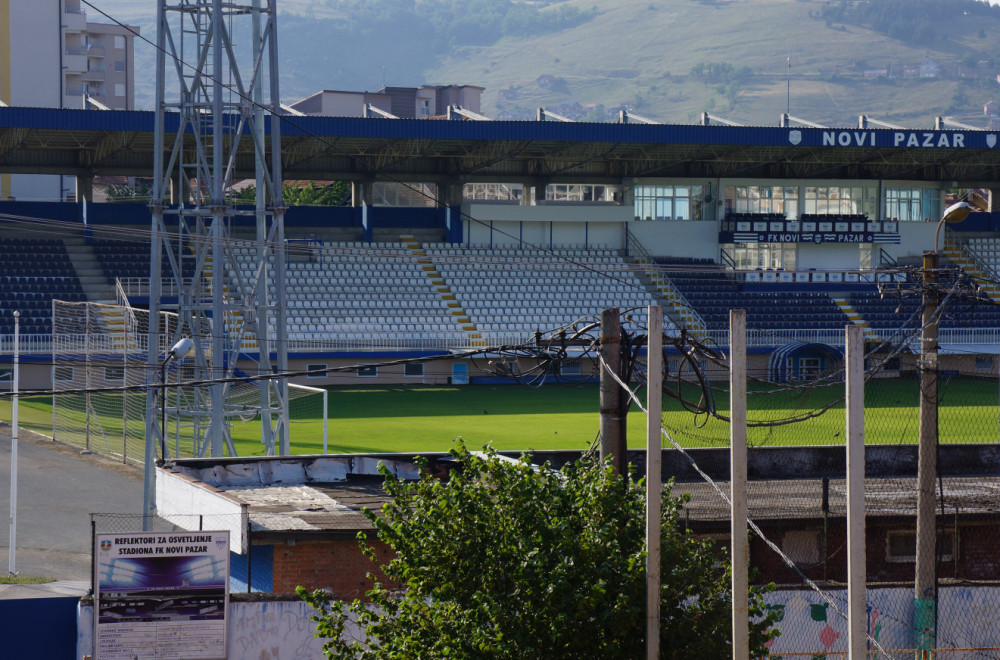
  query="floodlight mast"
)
[{"x": 220, "y": 109}]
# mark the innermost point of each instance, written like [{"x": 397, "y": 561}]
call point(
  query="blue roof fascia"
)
[{"x": 355, "y": 127}]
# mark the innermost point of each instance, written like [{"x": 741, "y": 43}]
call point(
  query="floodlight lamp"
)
[
  {"x": 181, "y": 348},
  {"x": 956, "y": 212}
]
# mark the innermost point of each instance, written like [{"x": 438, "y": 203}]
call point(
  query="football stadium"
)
[{"x": 262, "y": 360}]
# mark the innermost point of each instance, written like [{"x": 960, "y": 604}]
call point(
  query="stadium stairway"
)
[
  {"x": 677, "y": 307},
  {"x": 88, "y": 270},
  {"x": 853, "y": 314},
  {"x": 968, "y": 262},
  {"x": 463, "y": 319}
]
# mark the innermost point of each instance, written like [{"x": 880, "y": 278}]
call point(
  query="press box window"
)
[
  {"x": 570, "y": 369},
  {"x": 902, "y": 546},
  {"x": 415, "y": 369},
  {"x": 315, "y": 370},
  {"x": 64, "y": 373},
  {"x": 114, "y": 373},
  {"x": 367, "y": 372}
]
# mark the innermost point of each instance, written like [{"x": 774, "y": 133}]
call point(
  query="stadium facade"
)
[{"x": 469, "y": 234}]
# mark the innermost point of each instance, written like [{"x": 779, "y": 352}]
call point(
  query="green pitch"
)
[
  {"x": 512, "y": 417},
  {"x": 395, "y": 418}
]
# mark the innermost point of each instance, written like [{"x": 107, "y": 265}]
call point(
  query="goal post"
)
[{"x": 101, "y": 375}]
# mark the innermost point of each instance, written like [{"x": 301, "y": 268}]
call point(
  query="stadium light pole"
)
[
  {"x": 15, "y": 380},
  {"x": 179, "y": 350},
  {"x": 925, "y": 582}
]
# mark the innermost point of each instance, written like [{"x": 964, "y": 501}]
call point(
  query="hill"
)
[{"x": 747, "y": 60}]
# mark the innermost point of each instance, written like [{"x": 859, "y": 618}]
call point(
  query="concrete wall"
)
[
  {"x": 544, "y": 234},
  {"x": 915, "y": 238},
  {"x": 694, "y": 239},
  {"x": 280, "y": 629}
]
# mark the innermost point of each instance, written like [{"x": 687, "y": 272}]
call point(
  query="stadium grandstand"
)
[{"x": 471, "y": 234}]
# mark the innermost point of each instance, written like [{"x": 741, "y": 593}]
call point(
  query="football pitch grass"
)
[
  {"x": 395, "y": 418},
  {"x": 428, "y": 418}
]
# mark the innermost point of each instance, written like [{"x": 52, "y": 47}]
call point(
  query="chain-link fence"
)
[{"x": 797, "y": 492}]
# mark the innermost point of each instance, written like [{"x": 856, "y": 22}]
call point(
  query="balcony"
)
[
  {"x": 74, "y": 62},
  {"x": 74, "y": 20},
  {"x": 94, "y": 75}
]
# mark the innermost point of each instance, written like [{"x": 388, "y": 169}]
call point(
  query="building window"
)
[
  {"x": 425, "y": 108},
  {"x": 669, "y": 202},
  {"x": 570, "y": 368},
  {"x": 912, "y": 204},
  {"x": 415, "y": 369},
  {"x": 581, "y": 192},
  {"x": 6, "y": 375},
  {"x": 120, "y": 66},
  {"x": 119, "y": 42},
  {"x": 387, "y": 193},
  {"x": 839, "y": 200},
  {"x": 780, "y": 200},
  {"x": 367, "y": 372},
  {"x": 802, "y": 547},
  {"x": 902, "y": 546},
  {"x": 984, "y": 362},
  {"x": 114, "y": 373},
  {"x": 316, "y": 370},
  {"x": 119, "y": 89},
  {"x": 64, "y": 373},
  {"x": 762, "y": 256},
  {"x": 489, "y": 192}
]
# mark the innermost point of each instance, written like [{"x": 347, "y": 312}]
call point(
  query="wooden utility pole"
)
[{"x": 612, "y": 409}]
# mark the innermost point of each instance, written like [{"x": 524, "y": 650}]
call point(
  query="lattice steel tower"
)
[{"x": 211, "y": 115}]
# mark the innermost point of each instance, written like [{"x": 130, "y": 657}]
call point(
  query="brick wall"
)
[
  {"x": 977, "y": 554},
  {"x": 337, "y": 565}
]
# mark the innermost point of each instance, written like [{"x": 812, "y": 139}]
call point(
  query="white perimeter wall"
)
[{"x": 281, "y": 630}]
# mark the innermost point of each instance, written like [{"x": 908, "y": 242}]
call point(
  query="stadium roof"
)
[{"x": 91, "y": 142}]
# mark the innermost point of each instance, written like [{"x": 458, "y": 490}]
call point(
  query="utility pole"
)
[
  {"x": 925, "y": 583},
  {"x": 612, "y": 409},
  {"x": 738, "y": 482},
  {"x": 654, "y": 477}
]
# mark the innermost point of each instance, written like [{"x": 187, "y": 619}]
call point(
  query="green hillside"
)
[
  {"x": 643, "y": 53},
  {"x": 669, "y": 60}
]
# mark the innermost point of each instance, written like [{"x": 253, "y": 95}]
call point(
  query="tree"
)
[
  {"x": 337, "y": 193},
  {"x": 500, "y": 560}
]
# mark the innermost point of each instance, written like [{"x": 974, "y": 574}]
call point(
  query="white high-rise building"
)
[{"x": 52, "y": 57}]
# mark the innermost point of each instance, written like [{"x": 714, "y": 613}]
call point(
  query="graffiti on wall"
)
[{"x": 810, "y": 624}]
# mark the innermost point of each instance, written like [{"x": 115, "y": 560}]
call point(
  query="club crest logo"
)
[
  {"x": 105, "y": 546},
  {"x": 991, "y": 140},
  {"x": 795, "y": 137}
]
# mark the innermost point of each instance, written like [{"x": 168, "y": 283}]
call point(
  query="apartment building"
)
[
  {"x": 403, "y": 102},
  {"x": 51, "y": 56}
]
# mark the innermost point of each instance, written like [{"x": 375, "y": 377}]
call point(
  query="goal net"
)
[{"x": 100, "y": 377}]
